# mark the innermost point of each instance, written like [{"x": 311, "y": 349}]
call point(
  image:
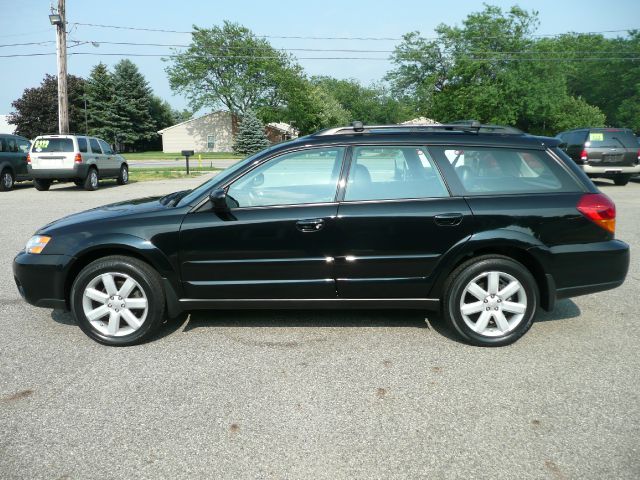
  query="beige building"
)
[{"x": 214, "y": 132}]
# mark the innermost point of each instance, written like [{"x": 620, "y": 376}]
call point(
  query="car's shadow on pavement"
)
[{"x": 564, "y": 309}]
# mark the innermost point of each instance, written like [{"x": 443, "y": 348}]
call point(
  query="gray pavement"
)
[{"x": 304, "y": 394}]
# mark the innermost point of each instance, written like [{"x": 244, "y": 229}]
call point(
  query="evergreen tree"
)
[
  {"x": 132, "y": 103},
  {"x": 251, "y": 137},
  {"x": 103, "y": 118}
]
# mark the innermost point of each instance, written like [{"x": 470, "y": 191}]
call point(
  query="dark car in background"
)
[
  {"x": 13, "y": 160},
  {"x": 482, "y": 223},
  {"x": 611, "y": 153}
]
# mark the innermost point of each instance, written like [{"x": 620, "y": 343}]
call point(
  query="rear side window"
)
[
  {"x": 388, "y": 173},
  {"x": 23, "y": 145},
  {"x": 82, "y": 144},
  {"x": 95, "y": 147},
  {"x": 613, "y": 138},
  {"x": 495, "y": 171},
  {"x": 45, "y": 144}
]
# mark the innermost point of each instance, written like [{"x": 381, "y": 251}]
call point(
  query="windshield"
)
[
  {"x": 202, "y": 189},
  {"x": 44, "y": 144}
]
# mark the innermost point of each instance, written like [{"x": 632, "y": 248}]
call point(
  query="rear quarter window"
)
[
  {"x": 47, "y": 145},
  {"x": 499, "y": 171}
]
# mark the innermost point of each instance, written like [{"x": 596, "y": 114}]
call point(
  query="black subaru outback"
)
[{"x": 484, "y": 223}]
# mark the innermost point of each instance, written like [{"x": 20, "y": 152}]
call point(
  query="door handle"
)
[
  {"x": 448, "y": 219},
  {"x": 310, "y": 225}
]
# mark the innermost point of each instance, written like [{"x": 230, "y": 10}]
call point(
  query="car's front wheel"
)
[
  {"x": 6, "y": 180},
  {"x": 491, "y": 300},
  {"x": 123, "y": 176},
  {"x": 118, "y": 300}
]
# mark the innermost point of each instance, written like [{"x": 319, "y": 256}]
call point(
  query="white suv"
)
[{"x": 81, "y": 159}]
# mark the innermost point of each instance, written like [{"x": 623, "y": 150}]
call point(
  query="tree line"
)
[{"x": 492, "y": 68}]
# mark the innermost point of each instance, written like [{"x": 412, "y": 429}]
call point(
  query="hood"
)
[{"x": 114, "y": 210}]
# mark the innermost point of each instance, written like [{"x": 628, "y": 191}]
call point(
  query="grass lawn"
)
[
  {"x": 173, "y": 156},
  {"x": 146, "y": 174}
]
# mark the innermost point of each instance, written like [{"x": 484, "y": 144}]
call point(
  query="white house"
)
[
  {"x": 214, "y": 132},
  {"x": 5, "y": 126}
]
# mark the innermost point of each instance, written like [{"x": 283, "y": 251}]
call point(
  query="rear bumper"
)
[
  {"x": 79, "y": 170},
  {"x": 588, "y": 268},
  {"x": 610, "y": 169},
  {"x": 41, "y": 278}
]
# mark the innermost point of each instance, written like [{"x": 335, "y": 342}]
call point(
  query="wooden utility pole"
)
[{"x": 61, "y": 49}]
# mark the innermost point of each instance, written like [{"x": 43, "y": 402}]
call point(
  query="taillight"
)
[
  {"x": 78, "y": 158},
  {"x": 598, "y": 208},
  {"x": 638, "y": 156},
  {"x": 584, "y": 156},
  {"x": 29, "y": 158}
]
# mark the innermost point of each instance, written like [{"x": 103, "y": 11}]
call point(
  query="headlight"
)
[{"x": 37, "y": 243}]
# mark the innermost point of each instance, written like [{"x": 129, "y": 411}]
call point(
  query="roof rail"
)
[{"x": 465, "y": 126}]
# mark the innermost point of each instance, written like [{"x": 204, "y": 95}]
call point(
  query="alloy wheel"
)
[
  {"x": 493, "y": 303},
  {"x": 115, "y": 304}
]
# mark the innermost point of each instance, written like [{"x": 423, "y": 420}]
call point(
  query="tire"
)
[
  {"x": 123, "y": 176},
  {"x": 7, "y": 180},
  {"x": 91, "y": 182},
  {"x": 621, "y": 180},
  {"x": 110, "y": 325},
  {"x": 486, "y": 321},
  {"x": 41, "y": 184}
]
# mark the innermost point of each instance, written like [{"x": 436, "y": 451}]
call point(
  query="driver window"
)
[{"x": 309, "y": 176}]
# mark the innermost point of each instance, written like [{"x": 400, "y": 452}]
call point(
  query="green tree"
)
[
  {"x": 229, "y": 66},
  {"x": 490, "y": 69},
  {"x": 251, "y": 137},
  {"x": 132, "y": 102},
  {"x": 36, "y": 111},
  {"x": 103, "y": 118}
]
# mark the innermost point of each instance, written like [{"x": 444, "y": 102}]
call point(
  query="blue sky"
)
[{"x": 26, "y": 21}]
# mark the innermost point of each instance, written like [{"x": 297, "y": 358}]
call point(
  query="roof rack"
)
[{"x": 463, "y": 126}]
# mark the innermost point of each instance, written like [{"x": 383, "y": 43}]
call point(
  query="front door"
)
[
  {"x": 394, "y": 223},
  {"x": 278, "y": 242}
]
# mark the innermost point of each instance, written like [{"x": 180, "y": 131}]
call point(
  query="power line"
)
[
  {"x": 305, "y": 37},
  {"x": 27, "y": 43},
  {"x": 476, "y": 59}
]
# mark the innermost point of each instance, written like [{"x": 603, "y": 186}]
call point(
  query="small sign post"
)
[{"x": 187, "y": 154}]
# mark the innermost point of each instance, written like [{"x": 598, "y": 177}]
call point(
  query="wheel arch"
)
[{"x": 516, "y": 246}]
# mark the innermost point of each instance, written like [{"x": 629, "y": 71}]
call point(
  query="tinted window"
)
[
  {"x": 310, "y": 176},
  {"x": 23, "y": 145},
  {"x": 106, "y": 149},
  {"x": 387, "y": 173},
  {"x": 95, "y": 148},
  {"x": 490, "y": 171},
  {"x": 613, "y": 138},
  {"x": 45, "y": 144},
  {"x": 82, "y": 144}
]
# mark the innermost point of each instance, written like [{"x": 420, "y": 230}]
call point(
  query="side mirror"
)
[{"x": 218, "y": 198}]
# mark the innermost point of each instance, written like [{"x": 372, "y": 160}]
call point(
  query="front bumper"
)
[
  {"x": 79, "y": 171},
  {"x": 41, "y": 278}
]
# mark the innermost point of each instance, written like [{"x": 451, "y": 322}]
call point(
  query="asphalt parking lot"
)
[{"x": 323, "y": 395}]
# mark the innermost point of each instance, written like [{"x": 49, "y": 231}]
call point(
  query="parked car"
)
[
  {"x": 603, "y": 152},
  {"x": 13, "y": 160},
  {"x": 83, "y": 160},
  {"x": 485, "y": 227}
]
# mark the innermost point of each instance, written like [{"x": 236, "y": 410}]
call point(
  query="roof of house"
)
[
  {"x": 283, "y": 127},
  {"x": 420, "y": 121},
  {"x": 192, "y": 120}
]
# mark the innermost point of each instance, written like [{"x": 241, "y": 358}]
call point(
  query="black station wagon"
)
[{"x": 485, "y": 224}]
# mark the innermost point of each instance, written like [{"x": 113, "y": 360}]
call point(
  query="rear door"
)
[
  {"x": 110, "y": 158},
  {"x": 53, "y": 153},
  {"x": 395, "y": 222},
  {"x": 96, "y": 156},
  {"x": 21, "y": 156}
]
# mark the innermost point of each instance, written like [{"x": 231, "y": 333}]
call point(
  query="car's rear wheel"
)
[
  {"x": 123, "y": 176},
  {"x": 91, "y": 182},
  {"x": 118, "y": 300},
  {"x": 6, "y": 180},
  {"x": 491, "y": 300},
  {"x": 41, "y": 184},
  {"x": 622, "y": 179}
]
